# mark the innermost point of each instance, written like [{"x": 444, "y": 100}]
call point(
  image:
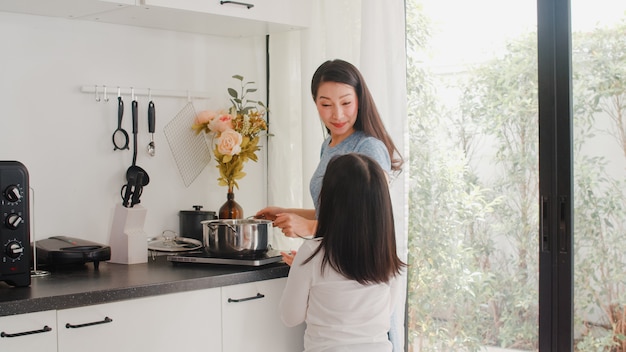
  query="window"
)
[{"x": 474, "y": 227}]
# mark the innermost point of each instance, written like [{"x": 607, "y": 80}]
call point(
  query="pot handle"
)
[{"x": 214, "y": 224}]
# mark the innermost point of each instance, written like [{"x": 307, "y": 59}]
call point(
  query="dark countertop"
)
[{"x": 83, "y": 285}]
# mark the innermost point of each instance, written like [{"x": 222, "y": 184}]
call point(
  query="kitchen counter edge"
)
[{"x": 85, "y": 286}]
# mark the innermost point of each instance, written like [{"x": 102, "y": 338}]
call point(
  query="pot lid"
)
[
  {"x": 169, "y": 241},
  {"x": 197, "y": 210}
]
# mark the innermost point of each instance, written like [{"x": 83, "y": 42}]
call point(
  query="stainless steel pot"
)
[{"x": 230, "y": 238}]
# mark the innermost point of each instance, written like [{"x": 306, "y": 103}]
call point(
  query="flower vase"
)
[{"x": 230, "y": 209}]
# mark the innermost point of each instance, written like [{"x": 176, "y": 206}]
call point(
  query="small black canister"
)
[{"x": 190, "y": 225}]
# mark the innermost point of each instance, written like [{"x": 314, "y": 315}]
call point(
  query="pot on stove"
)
[
  {"x": 236, "y": 238},
  {"x": 190, "y": 222}
]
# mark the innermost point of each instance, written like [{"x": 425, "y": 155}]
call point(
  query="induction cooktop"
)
[{"x": 202, "y": 257}]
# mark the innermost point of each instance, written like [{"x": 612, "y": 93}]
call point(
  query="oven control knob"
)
[
  {"x": 14, "y": 221},
  {"x": 14, "y": 249},
  {"x": 12, "y": 193}
]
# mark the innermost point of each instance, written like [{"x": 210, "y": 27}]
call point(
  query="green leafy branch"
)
[{"x": 241, "y": 104}]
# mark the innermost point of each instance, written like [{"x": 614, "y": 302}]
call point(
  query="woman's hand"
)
[
  {"x": 269, "y": 213},
  {"x": 294, "y": 225},
  {"x": 288, "y": 257}
]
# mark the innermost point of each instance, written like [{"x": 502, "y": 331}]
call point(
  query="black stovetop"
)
[{"x": 202, "y": 257}]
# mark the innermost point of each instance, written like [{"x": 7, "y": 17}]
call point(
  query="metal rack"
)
[{"x": 103, "y": 92}]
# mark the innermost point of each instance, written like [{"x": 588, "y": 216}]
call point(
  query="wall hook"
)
[
  {"x": 119, "y": 92},
  {"x": 105, "y": 96},
  {"x": 97, "y": 96}
]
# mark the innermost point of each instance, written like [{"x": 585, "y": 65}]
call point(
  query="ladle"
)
[{"x": 134, "y": 171}]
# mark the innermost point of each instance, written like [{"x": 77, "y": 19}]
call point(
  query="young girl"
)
[{"x": 342, "y": 282}]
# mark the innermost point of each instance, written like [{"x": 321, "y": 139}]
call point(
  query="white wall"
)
[{"x": 63, "y": 136}]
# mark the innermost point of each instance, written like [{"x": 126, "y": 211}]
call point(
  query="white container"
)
[{"x": 128, "y": 241}]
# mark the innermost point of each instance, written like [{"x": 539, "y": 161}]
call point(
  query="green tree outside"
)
[{"x": 473, "y": 245}]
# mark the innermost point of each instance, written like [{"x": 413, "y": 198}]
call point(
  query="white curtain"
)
[{"x": 371, "y": 35}]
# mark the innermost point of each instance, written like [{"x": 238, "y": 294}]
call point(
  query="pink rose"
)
[
  {"x": 222, "y": 122},
  {"x": 229, "y": 142},
  {"x": 204, "y": 117}
]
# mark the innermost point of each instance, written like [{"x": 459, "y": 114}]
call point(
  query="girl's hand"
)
[{"x": 288, "y": 257}]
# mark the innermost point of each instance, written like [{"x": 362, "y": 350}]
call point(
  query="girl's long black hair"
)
[{"x": 355, "y": 221}]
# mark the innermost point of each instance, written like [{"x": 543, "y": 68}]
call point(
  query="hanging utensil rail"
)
[{"x": 103, "y": 92}]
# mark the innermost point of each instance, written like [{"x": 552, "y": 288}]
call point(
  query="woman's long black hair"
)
[
  {"x": 368, "y": 119},
  {"x": 356, "y": 222}
]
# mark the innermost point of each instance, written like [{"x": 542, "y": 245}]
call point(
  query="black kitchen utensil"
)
[
  {"x": 136, "y": 177},
  {"x": 131, "y": 191},
  {"x": 120, "y": 136},
  {"x": 138, "y": 189},
  {"x": 151, "y": 126},
  {"x": 133, "y": 170},
  {"x": 127, "y": 192}
]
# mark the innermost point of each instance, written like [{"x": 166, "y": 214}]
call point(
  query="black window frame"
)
[{"x": 555, "y": 176}]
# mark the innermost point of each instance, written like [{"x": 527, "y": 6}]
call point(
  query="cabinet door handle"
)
[
  {"x": 46, "y": 328},
  {"x": 236, "y": 300},
  {"x": 249, "y": 6},
  {"x": 103, "y": 321}
]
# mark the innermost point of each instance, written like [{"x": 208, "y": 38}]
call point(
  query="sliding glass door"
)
[
  {"x": 517, "y": 220},
  {"x": 473, "y": 226},
  {"x": 599, "y": 178}
]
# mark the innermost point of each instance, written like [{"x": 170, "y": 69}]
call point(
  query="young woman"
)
[
  {"x": 342, "y": 282},
  {"x": 347, "y": 109}
]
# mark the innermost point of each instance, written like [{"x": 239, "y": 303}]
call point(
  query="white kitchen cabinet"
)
[
  {"x": 187, "y": 321},
  {"x": 122, "y": 2},
  {"x": 234, "y": 318},
  {"x": 294, "y": 13},
  {"x": 251, "y": 321},
  {"x": 29, "y": 332},
  {"x": 61, "y": 8},
  {"x": 195, "y": 16}
]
